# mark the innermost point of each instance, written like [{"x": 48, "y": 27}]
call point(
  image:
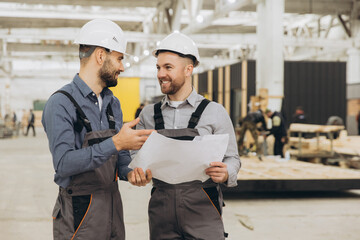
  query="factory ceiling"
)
[{"x": 37, "y": 35}]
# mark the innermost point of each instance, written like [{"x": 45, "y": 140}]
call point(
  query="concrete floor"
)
[{"x": 27, "y": 196}]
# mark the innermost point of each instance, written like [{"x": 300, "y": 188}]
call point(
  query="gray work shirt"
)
[
  {"x": 214, "y": 120},
  {"x": 59, "y": 116}
]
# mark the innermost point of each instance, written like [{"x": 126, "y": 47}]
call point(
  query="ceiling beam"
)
[
  {"x": 88, "y": 3},
  {"x": 72, "y": 12},
  {"x": 207, "y": 21},
  {"x": 203, "y": 40}
]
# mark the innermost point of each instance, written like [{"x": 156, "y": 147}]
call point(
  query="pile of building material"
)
[
  {"x": 319, "y": 146},
  {"x": 344, "y": 149},
  {"x": 347, "y": 145},
  {"x": 276, "y": 168},
  {"x": 276, "y": 174}
]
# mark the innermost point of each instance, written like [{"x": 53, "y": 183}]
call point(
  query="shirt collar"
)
[
  {"x": 191, "y": 99},
  {"x": 86, "y": 90},
  {"x": 83, "y": 87}
]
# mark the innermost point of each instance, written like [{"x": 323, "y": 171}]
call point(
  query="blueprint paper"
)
[{"x": 176, "y": 161}]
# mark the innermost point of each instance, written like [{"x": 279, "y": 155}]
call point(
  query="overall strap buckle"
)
[
  {"x": 195, "y": 117},
  {"x": 82, "y": 120}
]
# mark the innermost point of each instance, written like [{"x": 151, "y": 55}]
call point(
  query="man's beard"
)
[
  {"x": 173, "y": 88},
  {"x": 107, "y": 75}
]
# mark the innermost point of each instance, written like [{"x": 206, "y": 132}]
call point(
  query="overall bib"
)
[
  {"x": 190, "y": 210},
  {"x": 90, "y": 208}
]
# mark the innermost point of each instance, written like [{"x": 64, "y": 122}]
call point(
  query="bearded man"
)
[{"x": 88, "y": 141}]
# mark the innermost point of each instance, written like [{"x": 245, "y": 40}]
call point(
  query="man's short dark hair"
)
[{"x": 85, "y": 51}]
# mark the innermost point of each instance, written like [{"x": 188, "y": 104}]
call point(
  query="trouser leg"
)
[
  {"x": 117, "y": 226},
  {"x": 242, "y": 135},
  {"x": 33, "y": 128},
  {"x": 200, "y": 213},
  {"x": 255, "y": 135},
  {"x": 163, "y": 222},
  {"x": 278, "y": 147},
  {"x": 27, "y": 129}
]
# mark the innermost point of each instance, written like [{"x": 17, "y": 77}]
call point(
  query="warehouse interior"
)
[{"x": 267, "y": 54}]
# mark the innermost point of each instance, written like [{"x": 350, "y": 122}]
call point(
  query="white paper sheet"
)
[{"x": 175, "y": 161}]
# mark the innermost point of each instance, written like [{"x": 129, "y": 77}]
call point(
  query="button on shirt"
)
[
  {"x": 214, "y": 120},
  {"x": 59, "y": 116}
]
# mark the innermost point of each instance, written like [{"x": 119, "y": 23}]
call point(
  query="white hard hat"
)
[
  {"x": 102, "y": 33},
  {"x": 180, "y": 43}
]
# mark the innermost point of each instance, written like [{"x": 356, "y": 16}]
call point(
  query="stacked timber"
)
[{"x": 275, "y": 168}]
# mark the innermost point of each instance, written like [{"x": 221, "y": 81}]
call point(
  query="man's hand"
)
[
  {"x": 218, "y": 172},
  {"x": 130, "y": 139},
  {"x": 137, "y": 177}
]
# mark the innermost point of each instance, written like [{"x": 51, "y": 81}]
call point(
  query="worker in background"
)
[
  {"x": 190, "y": 210},
  {"x": 278, "y": 130},
  {"x": 88, "y": 141},
  {"x": 15, "y": 124},
  {"x": 31, "y": 121},
  {"x": 299, "y": 116},
  {"x": 138, "y": 110},
  {"x": 14, "y": 120},
  {"x": 250, "y": 123},
  {"x": 336, "y": 121}
]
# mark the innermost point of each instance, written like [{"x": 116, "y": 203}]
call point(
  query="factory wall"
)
[{"x": 319, "y": 87}]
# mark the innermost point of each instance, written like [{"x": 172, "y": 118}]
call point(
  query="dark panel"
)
[
  {"x": 251, "y": 83},
  {"x": 215, "y": 84},
  {"x": 203, "y": 82},
  {"x": 320, "y": 87},
  {"x": 235, "y": 93},
  {"x": 235, "y": 75}
]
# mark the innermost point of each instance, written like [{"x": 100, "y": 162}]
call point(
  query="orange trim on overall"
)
[
  {"x": 82, "y": 218},
  {"x": 211, "y": 202}
]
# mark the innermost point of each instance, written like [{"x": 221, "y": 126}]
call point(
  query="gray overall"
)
[
  {"x": 91, "y": 207},
  {"x": 190, "y": 210}
]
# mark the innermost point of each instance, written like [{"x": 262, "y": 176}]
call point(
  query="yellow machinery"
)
[{"x": 128, "y": 92}]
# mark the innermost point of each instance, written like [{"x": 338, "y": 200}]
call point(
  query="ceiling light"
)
[
  {"x": 136, "y": 59},
  {"x": 127, "y": 64},
  {"x": 199, "y": 18},
  {"x": 146, "y": 52}
]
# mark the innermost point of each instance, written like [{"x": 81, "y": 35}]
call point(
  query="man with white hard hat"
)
[
  {"x": 189, "y": 210},
  {"x": 88, "y": 141}
]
